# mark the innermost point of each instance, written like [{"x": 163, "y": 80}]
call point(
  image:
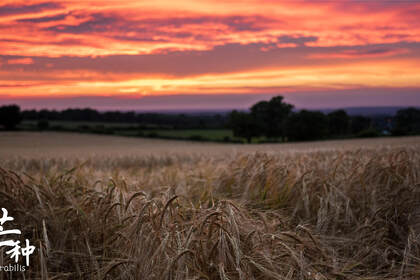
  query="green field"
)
[
  {"x": 127, "y": 129},
  {"x": 77, "y": 124},
  {"x": 205, "y": 134}
]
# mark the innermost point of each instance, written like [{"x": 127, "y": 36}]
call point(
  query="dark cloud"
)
[
  {"x": 373, "y": 5},
  {"x": 44, "y": 19},
  {"x": 25, "y": 9},
  {"x": 240, "y": 23},
  {"x": 298, "y": 40},
  {"x": 375, "y": 51},
  {"x": 142, "y": 38},
  {"x": 98, "y": 23},
  {"x": 103, "y": 23},
  {"x": 236, "y": 23},
  {"x": 367, "y": 51}
]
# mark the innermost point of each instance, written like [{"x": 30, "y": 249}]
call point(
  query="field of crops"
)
[
  {"x": 106, "y": 207},
  {"x": 134, "y": 130}
]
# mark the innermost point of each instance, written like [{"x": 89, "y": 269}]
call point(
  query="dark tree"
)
[
  {"x": 30, "y": 115},
  {"x": 244, "y": 125},
  {"x": 338, "y": 123},
  {"x": 10, "y": 116},
  {"x": 407, "y": 122},
  {"x": 162, "y": 120},
  {"x": 307, "y": 125},
  {"x": 43, "y": 124},
  {"x": 359, "y": 124},
  {"x": 271, "y": 116}
]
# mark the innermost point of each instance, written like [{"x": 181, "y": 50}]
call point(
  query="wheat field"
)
[{"x": 104, "y": 207}]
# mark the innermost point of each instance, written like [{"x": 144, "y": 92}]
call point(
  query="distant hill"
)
[
  {"x": 192, "y": 112},
  {"x": 364, "y": 111},
  {"x": 368, "y": 111}
]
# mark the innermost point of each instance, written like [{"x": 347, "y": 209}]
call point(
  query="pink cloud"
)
[
  {"x": 26, "y": 60},
  {"x": 377, "y": 52}
]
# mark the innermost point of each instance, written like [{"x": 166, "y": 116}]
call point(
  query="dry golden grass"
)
[
  {"x": 137, "y": 209},
  {"x": 71, "y": 145}
]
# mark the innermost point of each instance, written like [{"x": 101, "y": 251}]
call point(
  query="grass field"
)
[
  {"x": 136, "y": 130},
  {"x": 207, "y": 134},
  {"x": 107, "y": 207},
  {"x": 75, "y": 124},
  {"x": 127, "y": 129}
]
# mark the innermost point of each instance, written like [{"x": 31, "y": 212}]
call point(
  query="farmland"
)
[
  {"x": 134, "y": 130},
  {"x": 108, "y": 207}
]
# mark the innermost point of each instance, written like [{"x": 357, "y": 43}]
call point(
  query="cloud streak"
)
[
  {"x": 16, "y": 9},
  {"x": 362, "y": 53}
]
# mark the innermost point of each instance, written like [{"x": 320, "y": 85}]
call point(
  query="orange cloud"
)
[
  {"x": 361, "y": 53},
  {"x": 333, "y": 77},
  {"x": 26, "y": 60}
]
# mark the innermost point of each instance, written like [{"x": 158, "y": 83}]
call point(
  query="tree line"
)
[
  {"x": 275, "y": 119},
  {"x": 12, "y": 114}
]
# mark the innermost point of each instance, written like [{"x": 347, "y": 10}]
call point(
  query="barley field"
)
[{"x": 106, "y": 207}]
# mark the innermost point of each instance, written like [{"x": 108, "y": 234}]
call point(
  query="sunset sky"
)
[{"x": 207, "y": 54}]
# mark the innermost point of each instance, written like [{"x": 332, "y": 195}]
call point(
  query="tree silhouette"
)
[
  {"x": 244, "y": 125},
  {"x": 43, "y": 124},
  {"x": 359, "y": 124},
  {"x": 271, "y": 116},
  {"x": 407, "y": 121},
  {"x": 10, "y": 116},
  {"x": 338, "y": 122},
  {"x": 307, "y": 125}
]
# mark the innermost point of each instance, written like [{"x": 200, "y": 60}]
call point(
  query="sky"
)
[{"x": 207, "y": 54}]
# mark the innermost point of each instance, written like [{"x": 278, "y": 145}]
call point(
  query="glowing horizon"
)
[{"x": 65, "y": 49}]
